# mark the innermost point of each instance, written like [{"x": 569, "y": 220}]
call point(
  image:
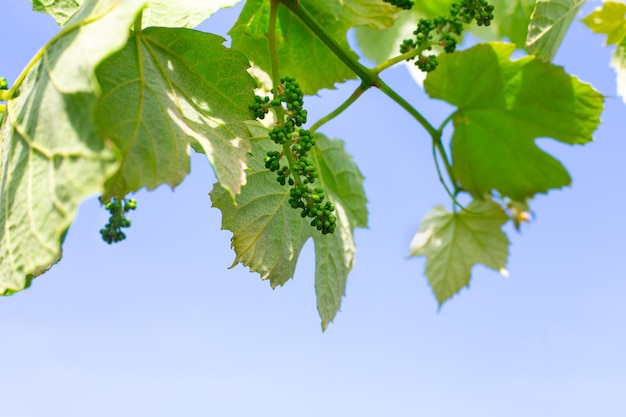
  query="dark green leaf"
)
[{"x": 503, "y": 107}]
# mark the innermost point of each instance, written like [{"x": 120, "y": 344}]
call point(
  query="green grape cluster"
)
[
  {"x": 118, "y": 208},
  {"x": 402, "y": 4},
  {"x": 299, "y": 172},
  {"x": 260, "y": 107},
  {"x": 445, "y": 31},
  {"x": 479, "y": 10}
]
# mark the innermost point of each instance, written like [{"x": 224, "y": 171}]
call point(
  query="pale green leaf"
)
[
  {"x": 60, "y": 10},
  {"x": 548, "y": 25},
  {"x": 182, "y": 13},
  {"x": 301, "y": 54},
  {"x": 52, "y": 157},
  {"x": 178, "y": 13},
  {"x": 454, "y": 242},
  {"x": 610, "y": 20},
  {"x": 334, "y": 253},
  {"x": 380, "y": 45},
  {"x": 166, "y": 89},
  {"x": 503, "y": 107},
  {"x": 97, "y": 30},
  {"x": 268, "y": 234}
]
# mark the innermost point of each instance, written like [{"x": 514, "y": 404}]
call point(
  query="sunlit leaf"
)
[
  {"x": 609, "y": 20},
  {"x": 454, "y": 242},
  {"x": 60, "y": 10},
  {"x": 178, "y": 13},
  {"x": 548, "y": 25},
  {"x": 166, "y": 89},
  {"x": 52, "y": 157}
]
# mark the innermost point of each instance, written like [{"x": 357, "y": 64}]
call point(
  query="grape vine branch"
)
[{"x": 117, "y": 99}]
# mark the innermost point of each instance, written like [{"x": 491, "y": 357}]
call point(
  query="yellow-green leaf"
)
[
  {"x": 454, "y": 242},
  {"x": 610, "y": 20}
]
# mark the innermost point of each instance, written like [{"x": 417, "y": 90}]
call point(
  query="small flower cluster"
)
[
  {"x": 112, "y": 231},
  {"x": 300, "y": 172},
  {"x": 479, "y": 10},
  {"x": 445, "y": 31}
]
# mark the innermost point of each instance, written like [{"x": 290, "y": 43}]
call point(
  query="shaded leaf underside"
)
[{"x": 167, "y": 89}]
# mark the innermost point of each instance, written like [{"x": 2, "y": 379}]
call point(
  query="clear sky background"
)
[{"x": 157, "y": 326}]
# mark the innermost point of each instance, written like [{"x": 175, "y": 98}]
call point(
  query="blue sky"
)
[{"x": 158, "y": 326}]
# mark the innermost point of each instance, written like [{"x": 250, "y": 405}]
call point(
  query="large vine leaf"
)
[
  {"x": 301, "y": 54},
  {"x": 165, "y": 89},
  {"x": 503, "y": 107},
  {"x": 610, "y": 20},
  {"x": 454, "y": 242},
  {"x": 179, "y": 13},
  {"x": 52, "y": 157},
  {"x": 548, "y": 25},
  {"x": 268, "y": 234}
]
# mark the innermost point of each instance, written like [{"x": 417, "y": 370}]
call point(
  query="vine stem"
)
[
  {"x": 353, "y": 97},
  {"x": 402, "y": 57},
  {"x": 273, "y": 47},
  {"x": 369, "y": 77},
  {"x": 278, "y": 109}
]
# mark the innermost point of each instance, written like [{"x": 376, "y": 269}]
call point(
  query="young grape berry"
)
[
  {"x": 118, "y": 208},
  {"x": 301, "y": 172},
  {"x": 4, "y": 85},
  {"x": 445, "y": 31},
  {"x": 479, "y": 10}
]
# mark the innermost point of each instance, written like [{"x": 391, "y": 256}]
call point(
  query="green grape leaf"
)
[
  {"x": 301, "y": 54},
  {"x": 454, "y": 242},
  {"x": 548, "y": 25},
  {"x": 503, "y": 107},
  {"x": 53, "y": 159},
  {"x": 609, "y": 20},
  {"x": 60, "y": 10},
  {"x": 166, "y": 89},
  {"x": 268, "y": 234},
  {"x": 88, "y": 44},
  {"x": 185, "y": 13}
]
